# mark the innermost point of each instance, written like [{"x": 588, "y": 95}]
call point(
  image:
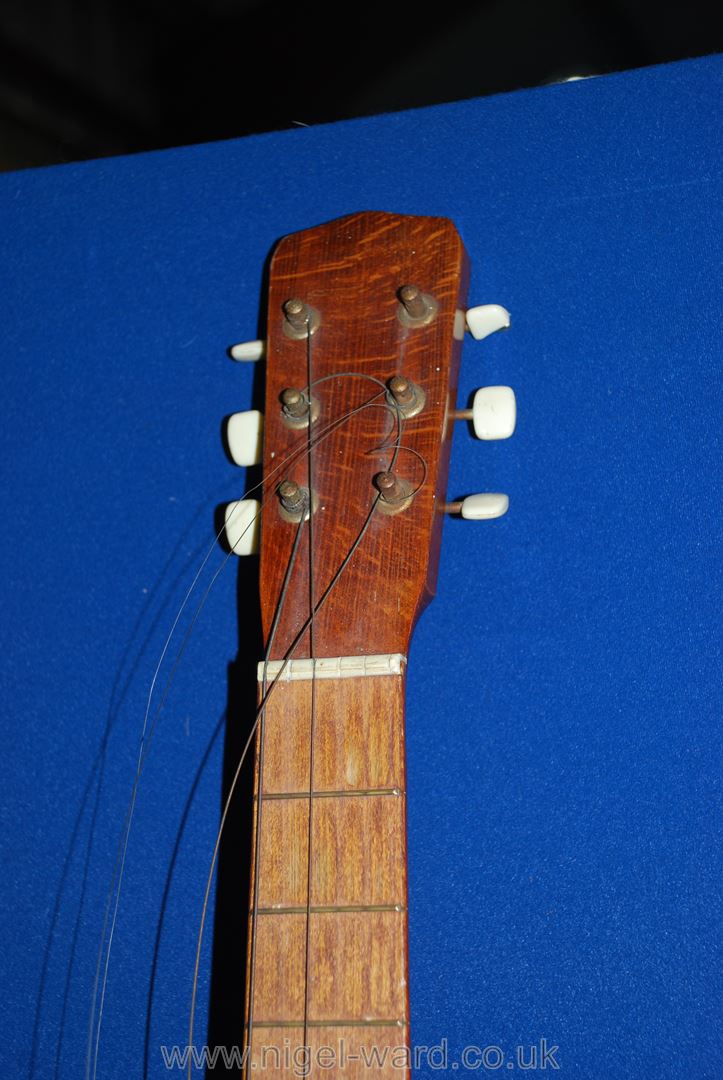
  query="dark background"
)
[{"x": 87, "y": 78}]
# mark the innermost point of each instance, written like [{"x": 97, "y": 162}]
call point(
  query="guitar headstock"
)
[{"x": 366, "y": 316}]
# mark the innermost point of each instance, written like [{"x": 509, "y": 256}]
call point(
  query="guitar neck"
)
[
  {"x": 328, "y": 960},
  {"x": 365, "y": 321}
]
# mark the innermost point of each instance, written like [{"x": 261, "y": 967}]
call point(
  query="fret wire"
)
[
  {"x": 329, "y": 909},
  {"x": 328, "y": 1023},
  {"x": 342, "y": 794}
]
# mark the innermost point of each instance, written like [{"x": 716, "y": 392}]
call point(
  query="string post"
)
[
  {"x": 405, "y": 396},
  {"x": 293, "y": 500},
  {"x": 395, "y": 493},
  {"x": 301, "y": 320},
  {"x": 294, "y": 402},
  {"x": 297, "y": 408},
  {"x": 291, "y": 495},
  {"x": 296, "y": 313},
  {"x": 401, "y": 390},
  {"x": 416, "y": 308}
]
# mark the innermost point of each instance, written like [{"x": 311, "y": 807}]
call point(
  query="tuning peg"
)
[
  {"x": 241, "y": 522},
  {"x": 248, "y": 350},
  {"x": 493, "y": 413},
  {"x": 486, "y": 319},
  {"x": 482, "y": 507},
  {"x": 244, "y": 431}
]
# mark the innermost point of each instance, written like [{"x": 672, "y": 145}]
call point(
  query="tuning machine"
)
[
  {"x": 493, "y": 413},
  {"x": 486, "y": 319},
  {"x": 248, "y": 351},
  {"x": 244, "y": 434},
  {"x": 483, "y": 507},
  {"x": 241, "y": 524}
]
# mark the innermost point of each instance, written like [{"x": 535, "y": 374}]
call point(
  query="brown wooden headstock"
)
[{"x": 349, "y": 274}]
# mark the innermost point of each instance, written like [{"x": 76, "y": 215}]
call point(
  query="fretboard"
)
[{"x": 328, "y": 943}]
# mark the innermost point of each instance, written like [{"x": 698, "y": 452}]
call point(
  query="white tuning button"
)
[
  {"x": 244, "y": 431},
  {"x": 248, "y": 350},
  {"x": 494, "y": 412},
  {"x": 484, "y": 507},
  {"x": 486, "y": 319},
  {"x": 490, "y": 504},
  {"x": 242, "y": 526}
]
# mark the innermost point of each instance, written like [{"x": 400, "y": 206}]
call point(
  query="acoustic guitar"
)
[{"x": 366, "y": 317}]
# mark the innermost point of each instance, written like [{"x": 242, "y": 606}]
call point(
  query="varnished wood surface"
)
[
  {"x": 357, "y": 963},
  {"x": 328, "y": 918},
  {"x": 350, "y": 270},
  {"x": 356, "y": 748}
]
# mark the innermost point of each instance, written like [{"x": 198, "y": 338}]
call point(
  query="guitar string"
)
[
  {"x": 117, "y": 876},
  {"x": 306, "y": 1049},
  {"x": 262, "y": 709},
  {"x": 92, "y": 797},
  {"x": 312, "y": 746},
  {"x": 312, "y": 723},
  {"x": 261, "y": 721},
  {"x": 234, "y": 783},
  {"x": 311, "y": 444},
  {"x": 314, "y": 608},
  {"x": 119, "y": 866},
  {"x": 260, "y": 778},
  {"x": 146, "y": 735}
]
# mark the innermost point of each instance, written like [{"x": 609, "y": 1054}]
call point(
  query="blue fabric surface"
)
[{"x": 563, "y": 695}]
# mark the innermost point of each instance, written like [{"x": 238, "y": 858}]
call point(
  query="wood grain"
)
[
  {"x": 356, "y": 729},
  {"x": 328, "y": 920},
  {"x": 357, "y": 963},
  {"x": 351, "y": 270}
]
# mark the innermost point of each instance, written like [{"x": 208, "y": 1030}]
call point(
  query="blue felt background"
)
[{"x": 563, "y": 689}]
